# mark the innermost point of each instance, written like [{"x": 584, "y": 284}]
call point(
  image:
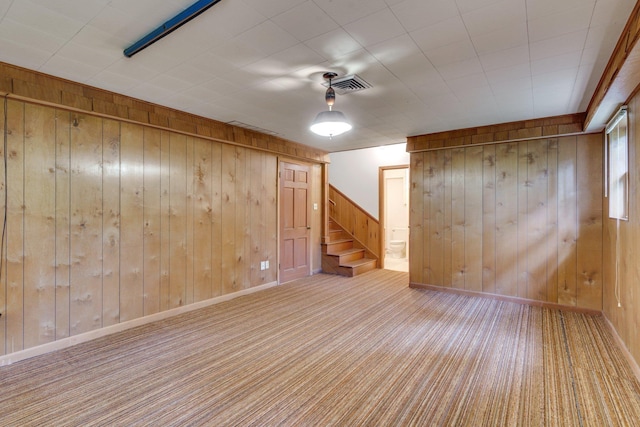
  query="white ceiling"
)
[{"x": 434, "y": 64}]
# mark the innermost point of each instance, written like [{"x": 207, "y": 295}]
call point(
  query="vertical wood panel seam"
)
[
  {"x": 55, "y": 226},
  {"x": 143, "y": 192},
  {"x": 4, "y": 227},
  {"x": 22, "y": 210},
  {"x": 577, "y": 224},
  {"x": 119, "y": 219},
  {"x": 69, "y": 174},
  {"x": 464, "y": 216},
  {"x": 102, "y": 222}
]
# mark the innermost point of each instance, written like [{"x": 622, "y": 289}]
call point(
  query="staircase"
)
[{"x": 341, "y": 254}]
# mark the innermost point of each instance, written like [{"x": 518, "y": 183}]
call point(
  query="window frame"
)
[{"x": 617, "y": 187}]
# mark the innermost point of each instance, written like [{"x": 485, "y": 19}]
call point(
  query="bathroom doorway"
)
[{"x": 394, "y": 217}]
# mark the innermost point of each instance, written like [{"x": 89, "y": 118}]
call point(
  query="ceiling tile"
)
[
  {"x": 468, "y": 5},
  {"x": 441, "y": 34},
  {"x": 505, "y": 58},
  {"x": 504, "y": 13},
  {"x": 456, "y": 70},
  {"x": 115, "y": 82},
  {"x": 580, "y": 88},
  {"x": 511, "y": 87},
  {"x": 22, "y": 34},
  {"x": 540, "y": 8},
  {"x": 559, "y": 78},
  {"x": 243, "y": 78},
  {"x": 344, "y": 12},
  {"x": 334, "y": 44},
  {"x": 105, "y": 43},
  {"x": 558, "y": 45},
  {"x": 267, "y": 38},
  {"x": 4, "y": 7},
  {"x": 171, "y": 83},
  {"x": 232, "y": 17},
  {"x": 608, "y": 12},
  {"x": 556, "y": 63},
  {"x": 210, "y": 64},
  {"x": 359, "y": 62},
  {"x": 189, "y": 72},
  {"x": 375, "y": 28},
  {"x": 24, "y": 55},
  {"x": 97, "y": 58},
  {"x": 416, "y": 14},
  {"x": 501, "y": 39},
  {"x": 45, "y": 20},
  {"x": 272, "y": 8},
  {"x": 289, "y": 60},
  {"x": 470, "y": 83},
  {"x": 501, "y": 76},
  {"x": 405, "y": 60},
  {"x": 113, "y": 21},
  {"x": 305, "y": 21},
  {"x": 567, "y": 21},
  {"x": 237, "y": 53},
  {"x": 455, "y": 52},
  {"x": 69, "y": 8},
  {"x": 436, "y": 87}
]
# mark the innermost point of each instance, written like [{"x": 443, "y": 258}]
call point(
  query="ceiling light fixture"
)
[{"x": 332, "y": 122}]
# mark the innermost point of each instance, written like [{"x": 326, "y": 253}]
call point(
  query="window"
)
[{"x": 618, "y": 166}]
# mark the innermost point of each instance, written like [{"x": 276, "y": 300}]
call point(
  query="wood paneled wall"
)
[
  {"x": 622, "y": 251},
  {"x": 32, "y": 85},
  {"x": 547, "y": 127},
  {"x": 355, "y": 220},
  {"x": 109, "y": 221},
  {"x": 521, "y": 219}
]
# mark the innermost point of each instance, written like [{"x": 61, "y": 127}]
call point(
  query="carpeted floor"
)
[{"x": 328, "y": 351}]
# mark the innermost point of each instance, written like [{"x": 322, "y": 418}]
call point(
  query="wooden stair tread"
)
[
  {"x": 338, "y": 241},
  {"x": 358, "y": 262},
  {"x": 341, "y": 256},
  {"x": 346, "y": 252}
]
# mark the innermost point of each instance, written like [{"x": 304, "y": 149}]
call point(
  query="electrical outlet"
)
[
  {"x": 266, "y": 264},
  {"x": 262, "y": 266}
]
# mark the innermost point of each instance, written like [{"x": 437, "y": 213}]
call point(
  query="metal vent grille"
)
[{"x": 348, "y": 84}]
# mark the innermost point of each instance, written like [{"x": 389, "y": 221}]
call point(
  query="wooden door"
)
[{"x": 295, "y": 222}]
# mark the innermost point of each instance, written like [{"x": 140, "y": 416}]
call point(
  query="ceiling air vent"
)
[{"x": 348, "y": 84}]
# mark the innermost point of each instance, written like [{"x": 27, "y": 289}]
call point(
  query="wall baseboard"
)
[
  {"x": 623, "y": 347},
  {"x": 99, "y": 333},
  {"x": 505, "y": 298}
]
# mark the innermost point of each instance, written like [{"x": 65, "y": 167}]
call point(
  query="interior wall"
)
[
  {"x": 355, "y": 173},
  {"x": 109, "y": 221},
  {"x": 622, "y": 251},
  {"x": 521, "y": 219}
]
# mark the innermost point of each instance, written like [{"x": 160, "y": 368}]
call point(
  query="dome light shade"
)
[{"x": 330, "y": 123}]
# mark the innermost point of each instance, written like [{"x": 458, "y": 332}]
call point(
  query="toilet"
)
[
  {"x": 397, "y": 245},
  {"x": 396, "y": 248}
]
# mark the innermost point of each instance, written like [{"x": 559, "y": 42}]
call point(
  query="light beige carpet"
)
[{"x": 329, "y": 350}]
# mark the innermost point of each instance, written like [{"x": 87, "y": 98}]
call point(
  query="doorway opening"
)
[{"x": 394, "y": 217}]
